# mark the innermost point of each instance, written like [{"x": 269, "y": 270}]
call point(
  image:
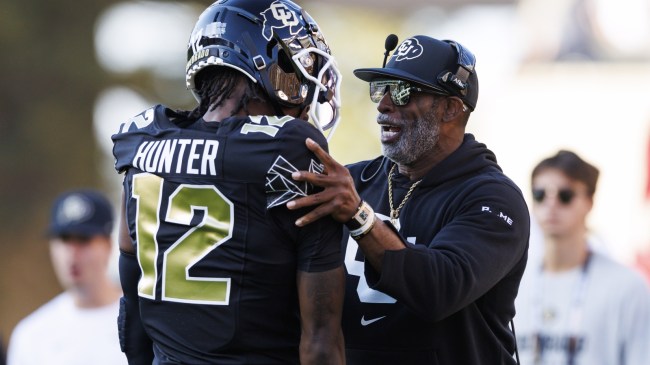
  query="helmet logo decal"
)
[
  {"x": 215, "y": 30},
  {"x": 212, "y": 30},
  {"x": 408, "y": 50},
  {"x": 195, "y": 40},
  {"x": 279, "y": 16}
]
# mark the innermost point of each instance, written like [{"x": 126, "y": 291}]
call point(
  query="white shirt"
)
[
  {"x": 605, "y": 309},
  {"x": 61, "y": 333}
]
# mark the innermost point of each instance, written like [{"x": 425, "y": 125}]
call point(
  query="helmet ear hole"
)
[{"x": 200, "y": 77}]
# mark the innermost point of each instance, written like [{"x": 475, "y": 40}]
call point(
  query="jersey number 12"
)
[{"x": 214, "y": 229}]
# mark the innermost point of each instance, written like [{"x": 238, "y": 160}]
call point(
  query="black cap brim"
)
[{"x": 78, "y": 230}]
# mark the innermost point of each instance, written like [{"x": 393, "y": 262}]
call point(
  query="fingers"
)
[
  {"x": 323, "y": 156},
  {"x": 323, "y": 208},
  {"x": 318, "y": 212},
  {"x": 313, "y": 178},
  {"x": 337, "y": 185},
  {"x": 316, "y": 149},
  {"x": 301, "y": 202}
]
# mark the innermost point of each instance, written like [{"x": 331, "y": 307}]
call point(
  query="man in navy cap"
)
[
  {"x": 438, "y": 234},
  {"x": 78, "y": 326}
]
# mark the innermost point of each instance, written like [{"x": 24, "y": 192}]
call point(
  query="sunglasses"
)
[
  {"x": 400, "y": 91},
  {"x": 565, "y": 196}
]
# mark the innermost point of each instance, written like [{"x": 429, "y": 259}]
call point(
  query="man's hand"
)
[{"x": 339, "y": 197}]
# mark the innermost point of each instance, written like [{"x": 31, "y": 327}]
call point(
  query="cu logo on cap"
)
[
  {"x": 73, "y": 209},
  {"x": 278, "y": 16},
  {"x": 408, "y": 50}
]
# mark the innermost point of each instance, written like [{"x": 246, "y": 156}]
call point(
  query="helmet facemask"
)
[
  {"x": 276, "y": 44},
  {"x": 315, "y": 80}
]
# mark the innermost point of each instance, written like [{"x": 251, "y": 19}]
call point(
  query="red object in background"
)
[{"x": 642, "y": 263}]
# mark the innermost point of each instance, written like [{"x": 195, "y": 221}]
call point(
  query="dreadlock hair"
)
[{"x": 214, "y": 86}]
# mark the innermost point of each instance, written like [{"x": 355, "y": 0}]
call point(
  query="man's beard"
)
[{"x": 417, "y": 138}]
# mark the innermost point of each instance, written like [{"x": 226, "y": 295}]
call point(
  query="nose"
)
[{"x": 385, "y": 105}]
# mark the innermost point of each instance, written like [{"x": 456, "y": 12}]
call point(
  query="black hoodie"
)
[{"x": 449, "y": 296}]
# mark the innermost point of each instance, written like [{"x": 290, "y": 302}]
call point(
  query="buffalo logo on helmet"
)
[
  {"x": 279, "y": 16},
  {"x": 408, "y": 50}
]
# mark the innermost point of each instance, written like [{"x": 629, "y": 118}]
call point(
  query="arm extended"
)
[
  {"x": 321, "y": 304},
  {"x": 437, "y": 277},
  {"x": 341, "y": 200}
]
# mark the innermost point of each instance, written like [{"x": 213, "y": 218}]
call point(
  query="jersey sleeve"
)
[
  {"x": 319, "y": 243},
  {"x": 293, "y": 156},
  {"x": 486, "y": 239},
  {"x": 131, "y": 133}
]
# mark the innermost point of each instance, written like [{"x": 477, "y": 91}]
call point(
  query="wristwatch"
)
[{"x": 362, "y": 221}]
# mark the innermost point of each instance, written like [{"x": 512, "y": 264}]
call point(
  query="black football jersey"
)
[{"x": 217, "y": 248}]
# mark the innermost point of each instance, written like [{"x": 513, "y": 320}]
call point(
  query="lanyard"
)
[{"x": 574, "y": 319}]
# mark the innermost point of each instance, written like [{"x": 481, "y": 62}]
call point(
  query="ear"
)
[{"x": 454, "y": 108}]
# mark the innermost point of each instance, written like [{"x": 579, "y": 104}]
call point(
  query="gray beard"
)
[{"x": 418, "y": 138}]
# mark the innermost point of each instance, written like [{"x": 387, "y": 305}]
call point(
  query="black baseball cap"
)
[
  {"x": 83, "y": 213},
  {"x": 441, "y": 65}
]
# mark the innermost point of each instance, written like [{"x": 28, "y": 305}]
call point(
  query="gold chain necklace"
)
[{"x": 394, "y": 213}]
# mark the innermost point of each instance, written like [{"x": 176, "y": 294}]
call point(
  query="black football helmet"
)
[{"x": 277, "y": 45}]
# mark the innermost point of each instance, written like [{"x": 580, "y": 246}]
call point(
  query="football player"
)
[{"x": 213, "y": 269}]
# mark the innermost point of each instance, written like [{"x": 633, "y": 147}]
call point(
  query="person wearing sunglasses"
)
[
  {"x": 577, "y": 306},
  {"x": 438, "y": 235}
]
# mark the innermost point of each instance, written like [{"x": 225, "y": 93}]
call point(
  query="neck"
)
[
  {"x": 412, "y": 172},
  {"x": 564, "y": 254}
]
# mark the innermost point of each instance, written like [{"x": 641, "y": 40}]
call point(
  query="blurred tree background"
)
[{"x": 49, "y": 80}]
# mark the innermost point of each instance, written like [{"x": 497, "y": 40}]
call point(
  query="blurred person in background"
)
[
  {"x": 438, "y": 234},
  {"x": 213, "y": 268},
  {"x": 577, "y": 306},
  {"x": 77, "y": 327}
]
